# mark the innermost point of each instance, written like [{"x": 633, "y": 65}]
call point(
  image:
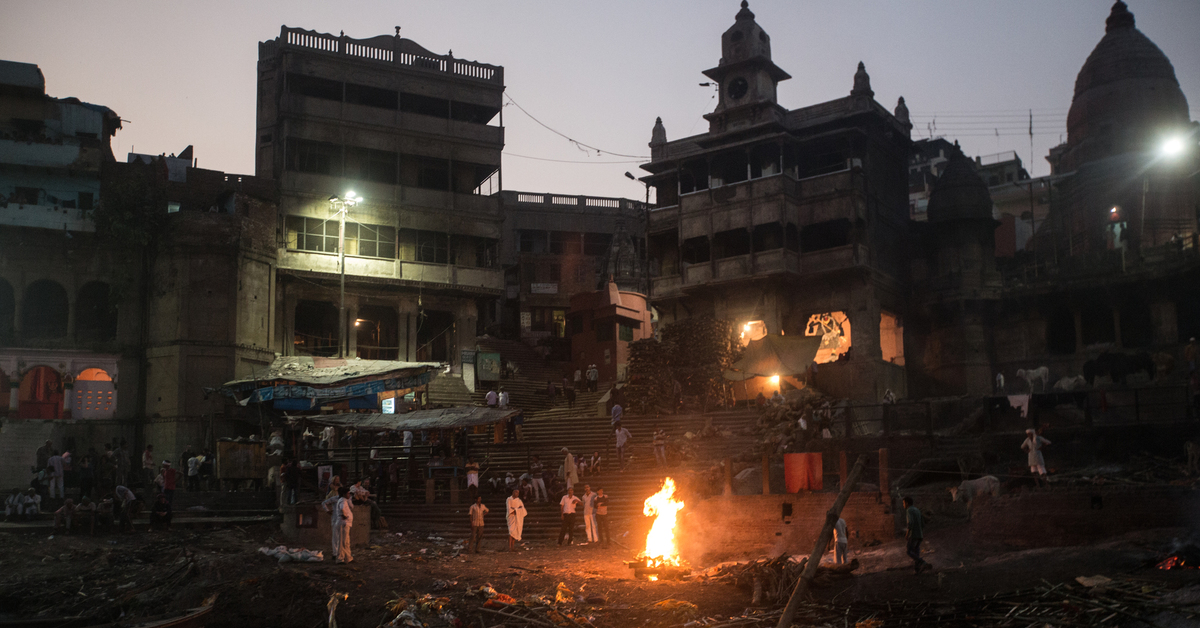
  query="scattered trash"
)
[
  {"x": 1093, "y": 581},
  {"x": 297, "y": 554},
  {"x": 563, "y": 595}
]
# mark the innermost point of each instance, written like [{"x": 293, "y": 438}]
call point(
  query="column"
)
[
  {"x": 68, "y": 394},
  {"x": 410, "y": 349}
]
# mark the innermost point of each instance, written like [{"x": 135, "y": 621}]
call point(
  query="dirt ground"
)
[{"x": 160, "y": 573}]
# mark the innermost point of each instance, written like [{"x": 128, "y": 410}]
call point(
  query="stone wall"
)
[{"x": 747, "y": 526}]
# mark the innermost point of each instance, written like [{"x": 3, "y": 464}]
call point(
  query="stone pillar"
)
[
  {"x": 1078, "y": 330},
  {"x": 1116, "y": 314},
  {"x": 401, "y": 333},
  {"x": 430, "y": 490},
  {"x": 14, "y": 394}
]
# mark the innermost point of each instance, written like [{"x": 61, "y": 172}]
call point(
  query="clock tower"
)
[{"x": 746, "y": 77}]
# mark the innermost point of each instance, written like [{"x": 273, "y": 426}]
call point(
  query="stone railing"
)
[{"x": 393, "y": 50}]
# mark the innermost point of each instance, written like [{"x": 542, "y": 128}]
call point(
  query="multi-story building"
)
[
  {"x": 795, "y": 218},
  {"x": 924, "y": 166},
  {"x": 557, "y": 245},
  {"x": 412, "y": 133}
]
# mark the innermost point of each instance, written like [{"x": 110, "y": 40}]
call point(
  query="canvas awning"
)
[
  {"x": 775, "y": 355},
  {"x": 441, "y": 418},
  {"x": 306, "y": 377}
]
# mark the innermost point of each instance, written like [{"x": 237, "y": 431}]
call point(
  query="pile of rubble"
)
[
  {"x": 772, "y": 580},
  {"x": 475, "y": 605}
]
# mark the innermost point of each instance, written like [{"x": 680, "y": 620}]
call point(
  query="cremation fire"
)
[{"x": 661, "y": 555}]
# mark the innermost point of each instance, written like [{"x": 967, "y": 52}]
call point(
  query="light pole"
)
[{"x": 343, "y": 205}]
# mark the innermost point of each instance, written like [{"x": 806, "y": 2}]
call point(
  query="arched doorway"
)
[
  {"x": 95, "y": 395},
  {"x": 45, "y": 310},
  {"x": 41, "y": 394}
]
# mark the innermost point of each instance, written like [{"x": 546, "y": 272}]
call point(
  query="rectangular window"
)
[
  {"x": 366, "y": 164},
  {"x": 529, "y": 273},
  {"x": 626, "y": 332},
  {"x": 321, "y": 236},
  {"x": 425, "y": 105},
  {"x": 486, "y": 252},
  {"x": 556, "y": 242},
  {"x": 314, "y": 157},
  {"x": 371, "y": 96},
  {"x": 314, "y": 87},
  {"x": 172, "y": 207},
  {"x": 370, "y": 240},
  {"x": 433, "y": 247},
  {"x": 555, "y": 272},
  {"x": 533, "y": 241},
  {"x": 596, "y": 243},
  {"x": 433, "y": 174},
  {"x": 86, "y": 200},
  {"x": 604, "y": 332}
]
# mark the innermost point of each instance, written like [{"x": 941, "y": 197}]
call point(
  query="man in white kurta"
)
[
  {"x": 516, "y": 518},
  {"x": 331, "y": 506},
  {"x": 345, "y": 509},
  {"x": 589, "y": 513},
  {"x": 570, "y": 471}
]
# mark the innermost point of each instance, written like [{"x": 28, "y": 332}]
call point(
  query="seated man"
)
[
  {"x": 85, "y": 515},
  {"x": 32, "y": 506},
  {"x": 13, "y": 505},
  {"x": 160, "y": 513},
  {"x": 510, "y": 482},
  {"x": 65, "y": 514},
  {"x": 105, "y": 512},
  {"x": 360, "y": 493}
]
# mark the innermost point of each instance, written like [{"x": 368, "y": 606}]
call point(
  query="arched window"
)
[
  {"x": 8, "y": 310},
  {"x": 95, "y": 395},
  {"x": 95, "y": 313},
  {"x": 45, "y": 310},
  {"x": 41, "y": 394}
]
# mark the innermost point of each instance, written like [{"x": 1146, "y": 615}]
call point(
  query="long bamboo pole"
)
[{"x": 814, "y": 559}]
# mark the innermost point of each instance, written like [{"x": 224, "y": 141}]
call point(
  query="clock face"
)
[{"x": 737, "y": 88}]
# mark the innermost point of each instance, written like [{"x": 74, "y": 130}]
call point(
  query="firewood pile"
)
[
  {"x": 771, "y": 581},
  {"x": 1087, "y": 601},
  {"x": 694, "y": 352},
  {"x": 649, "y": 377}
]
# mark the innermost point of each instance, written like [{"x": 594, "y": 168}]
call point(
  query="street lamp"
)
[
  {"x": 342, "y": 206},
  {"x": 1171, "y": 148}
]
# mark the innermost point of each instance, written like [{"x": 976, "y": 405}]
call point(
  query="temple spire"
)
[{"x": 1120, "y": 17}]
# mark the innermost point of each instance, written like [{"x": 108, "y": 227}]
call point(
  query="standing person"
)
[
  {"x": 123, "y": 458},
  {"x": 570, "y": 393},
  {"x": 472, "y": 478},
  {"x": 193, "y": 472},
  {"x": 345, "y": 521},
  {"x": 477, "y": 512},
  {"x": 56, "y": 465},
  {"x": 617, "y": 413},
  {"x": 578, "y": 380},
  {"x": 915, "y": 533},
  {"x": 570, "y": 471},
  {"x": 516, "y": 518},
  {"x": 623, "y": 437},
  {"x": 660, "y": 447},
  {"x": 330, "y": 506},
  {"x": 567, "y": 507},
  {"x": 536, "y": 478},
  {"x": 1037, "y": 463},
  {"x": 841, "y": 541},
  {"x": 492, "y": 398},
  {"x": 551, "y": 391},
  {"x": 127, "y": 508},
  {"x": 166, "y": 481},
  {"x": 149, "y": 470},
  {"x": 588, "y": 499},
  {"x": 602, "y": 517},
  {"x": 518, "y": 423},
  {"x": 503, "y": 398},
  {"x": 408, "y": 438}
]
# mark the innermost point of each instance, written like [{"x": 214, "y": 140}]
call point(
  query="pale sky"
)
[{"x": 600, "y": 72}]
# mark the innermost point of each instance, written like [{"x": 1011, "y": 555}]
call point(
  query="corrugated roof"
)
[{"x": 442, "y": 418}]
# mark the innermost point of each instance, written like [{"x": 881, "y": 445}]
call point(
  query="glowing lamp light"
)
[
  {"x": 774, "y": 380},
  {"x": 1173, "y": 147},
  {"x": 746, "y": 327}
]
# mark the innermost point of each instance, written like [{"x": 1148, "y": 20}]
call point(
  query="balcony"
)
[
  {"x": 467, "y": 278},
  {"x": 46, "y": 217},
  {"x": 392, "y": 119}
]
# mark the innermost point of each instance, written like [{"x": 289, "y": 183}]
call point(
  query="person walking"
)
[
  {"x": 503, "y": 398},
  {"x": 617, "y": 413},
  {"x": 149, "y": 471},
  {"x": 567, "y": 506},
  {"x": 330, "y": 505},
  {"x": 492, "y": 398},
  {"x": 537, "y": 478},
  {"x": 345, "y": 522},
  {"x": 593, "y": 378},
  {"x": 915, "y": 533},
  {"x": 570, "y": 471},
  {"x": 588, "y": 499},
  {"x": 477, "y": 511},
  {"x": 660, "y": 447},
  {"x": 601, "y": 506},
  {"x": 623, "y": 437},
  {"x": 841, "y": 541},
  {"x": 570, "y": 394},
  {"x": 516, "y": 518},
  {"x": 1037, "y": 463}
]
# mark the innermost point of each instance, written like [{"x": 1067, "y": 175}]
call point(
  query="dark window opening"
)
[
  {"x": 791, "y": 236},
  {"x": 435, "y": 336},
  {"x": 425, "y": 105},
  {"x": 768, "y": 237},
  {"x": 825, "y": 235},
  {"x": 533, "y": 241},
  {"x": 432, "y": 173},
  {"x": 314, "y": 87},
  {"x": 666, "y": 191},
  {"x": 467, "y": 176},
  {"x": 729, "y": 168},
  {"x": 529, "y": 272},
  {"x": 570, "y": 242},
  {"x": 693, "y": 177},
  {"x": 433, "y": 247},
  {"x": 371, "y": 96},
  {"x": 731, "y": 243},
  {"x": 314, "y": 157},
  {"x": 556, "y": 242},
  {"x": 818, "y": 159},
  {"x": 366, "y": 164},
  {"x": 1060, "y": 332},
  {"x": 596, "y": 243},
  {"x": 695, "y": 250},
  {"x": 1097, "y": 323},
  {"x": 476, "y": 114},
  {"x": 625, "y": 332},
  {"x": 45, "y": 310},
  {"x": 95, "y": 314},
  {"x": 315, "y": 328},
  {"x": 25, "y": 196},
  {"x": 764, "y": 161},
  {"x": 487, "y": 253},
  {"x": 604, "y": 331},
  {"x": 376, "y": 329},
  {"x": 555, "y": 272},
  {"x": 664, "y": 254}
]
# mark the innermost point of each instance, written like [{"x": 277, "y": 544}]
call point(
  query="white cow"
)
[
  {"x": 970, "y": 489},
  {"x": 1031, "y": 375},
  {"x": 1067, "y": 384}
]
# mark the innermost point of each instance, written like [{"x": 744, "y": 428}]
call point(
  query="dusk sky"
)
[{"x": 599, "y": 72}]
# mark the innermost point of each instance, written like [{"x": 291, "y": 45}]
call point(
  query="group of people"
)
[{"x": 595, "y": 518}]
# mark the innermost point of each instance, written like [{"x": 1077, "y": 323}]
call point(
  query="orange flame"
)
[{"x": 660, "y": 542}]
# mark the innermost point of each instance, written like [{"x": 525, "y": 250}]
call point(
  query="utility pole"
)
[{"x": 343, "y": 205}]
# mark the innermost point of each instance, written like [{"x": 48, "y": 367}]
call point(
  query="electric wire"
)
[{"x": 574, "y": 141}]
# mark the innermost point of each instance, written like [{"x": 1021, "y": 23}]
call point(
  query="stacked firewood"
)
[{"x": 648, "y": 387}]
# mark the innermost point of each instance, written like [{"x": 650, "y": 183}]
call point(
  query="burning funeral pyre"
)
[{"x": 661, "y": 556}]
